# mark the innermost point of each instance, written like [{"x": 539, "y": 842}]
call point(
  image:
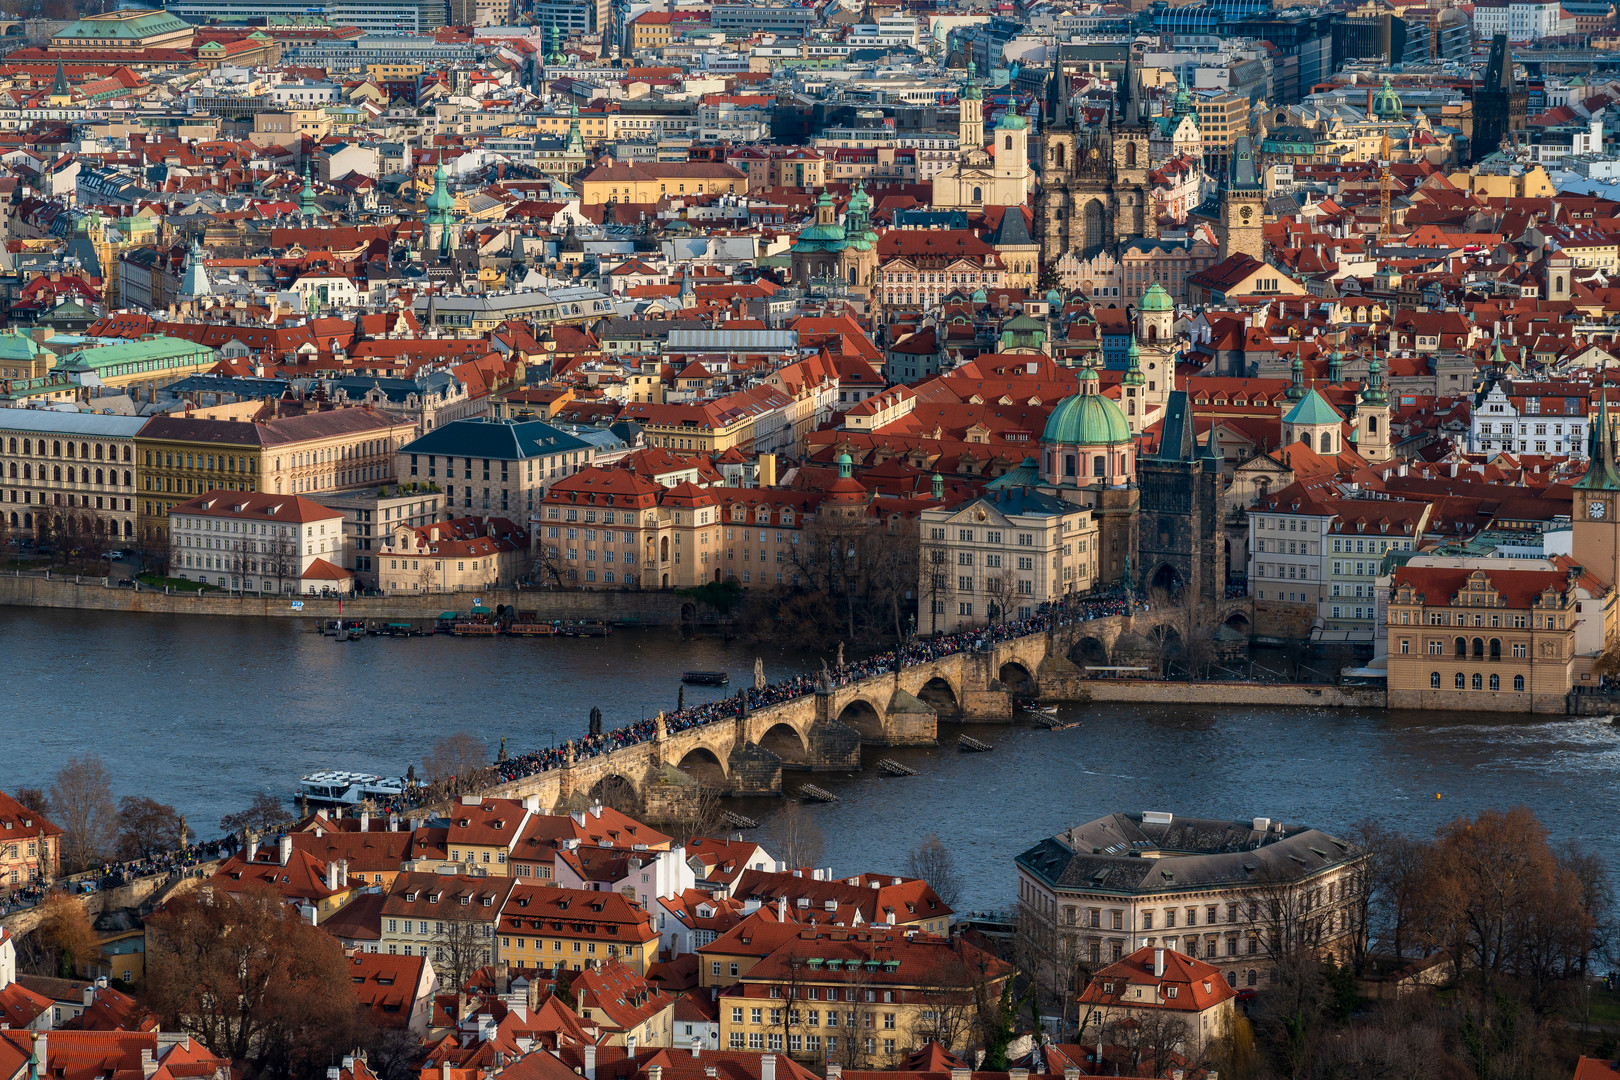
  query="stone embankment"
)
[
  {"x": 141, "y": 891},
  {"x": 99, "y": 594}
]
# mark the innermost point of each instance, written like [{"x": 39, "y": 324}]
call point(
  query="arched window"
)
[
  {"x": 1462, "y": 646},
  {"x": 1130, "y": 154},
  {"x": 1372, "y": 425},
  {"x": 1152, "y": 332},
  {"x": 56, "y": 449},
  {"x": 978, "y": 194},
  {"x": 56, "y": 472},
  {"x": 1057, "y": 155},
  {"x": 1009, "y": 142},
  {"x": 1327, "y": 442},
  {"x": 1069, "y": 466},
  {"x": 1496, "y": 682},
  {"x": 1518, "y": 682},
  {"x": 1496, "y": 648},
  {"x": 1099, "y": 465},
  {"x": 100, "y": 477},
  {"x": 1434, "y": 680},
  {"x": 1558, "y": 284},
  {"x": 1479, "y": 648},
  {"x": 1478, "y": 683},
  {"x": 1459, "y": 682}
]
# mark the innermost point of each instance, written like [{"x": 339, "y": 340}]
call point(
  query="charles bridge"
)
[{"x": 824, "y": 731}]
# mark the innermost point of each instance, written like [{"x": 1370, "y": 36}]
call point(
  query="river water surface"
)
[{"x": 203, "y": 712}]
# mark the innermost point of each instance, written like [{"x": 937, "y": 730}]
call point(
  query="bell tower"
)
[
  {"x": 1242, "y": 201},
  {"x": 1595, "y": 540}
]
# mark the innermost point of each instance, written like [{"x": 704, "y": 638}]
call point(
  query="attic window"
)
[{"x": 466, "y": 901}]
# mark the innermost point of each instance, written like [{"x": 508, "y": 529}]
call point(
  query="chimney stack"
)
[
  {"x": 767, "y": 1067},
  {"x": 285, "y": 844},
  {"x": 1158, "y": 962},
  {"x": 590, "y": 1063}
]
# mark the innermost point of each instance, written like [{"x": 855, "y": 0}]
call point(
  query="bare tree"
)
[
  {"x": 147, "y": 827},
  {"x": 281, "y": 555},
  {"x": 264, "y": 811},
  {"x": 548, "y": 564},
  {"x": 798, "y": 840},
  {"x": 460, "y": 948},
  {"x": 931, "y": 860},
  {"x": 457, "y": 763},
  {"x": 81, "y": 798},
  {"x": 1001, "y": 585},
  {"x": 892, "y": 577},
  {"x": 1050, "y": 959},
  {"x": 699, "y": 813},
  {"x": 34, "y": 799},
  {"x": 933, "y": 584},
  {"x": 1152, "y": 1039}
]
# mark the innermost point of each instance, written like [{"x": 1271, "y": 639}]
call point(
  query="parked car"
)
[
  {"x": 126, "y": 583},
  {"x": 115, "y": 554}
]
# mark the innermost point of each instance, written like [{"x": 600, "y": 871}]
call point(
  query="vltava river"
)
[{"x": 203, "y": 712}]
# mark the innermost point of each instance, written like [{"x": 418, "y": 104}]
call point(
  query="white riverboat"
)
[{"x": 348, "y": 788}]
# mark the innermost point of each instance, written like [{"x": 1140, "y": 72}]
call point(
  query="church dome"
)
[
  {"x": 1386, "y": 103},
  {"x": 1011, "y": 121},
  {"x": 1054, "y": 298},
  {"x": 1156, "y": 299},
  {"x": 979, "y": 296},
  {"x": 441, "y": 199},
  {"x": 1086, "y": 419}
]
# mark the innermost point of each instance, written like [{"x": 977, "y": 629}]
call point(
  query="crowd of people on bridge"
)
[
  {"x": 918, "y": 651},
  {"x": 112, "y": 874}
]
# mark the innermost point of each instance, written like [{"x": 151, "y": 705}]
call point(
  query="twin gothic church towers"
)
[{"x": 1094, "y": 177}]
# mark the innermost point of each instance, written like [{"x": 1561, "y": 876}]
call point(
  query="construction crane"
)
[
  {"x": 1434, "y": 29},
  {"x": 1383, "y": 188}
]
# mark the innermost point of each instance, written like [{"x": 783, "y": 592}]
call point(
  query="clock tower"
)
[{"x": 1595, "y": 543}]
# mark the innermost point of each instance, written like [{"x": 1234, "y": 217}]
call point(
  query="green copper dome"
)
[
  {"x": 980, "y": 296},
  {"x": 1156, "y": 299},
  {"x": 1087, "y": 418},
  {"x": 1055, "y": 298},
  {"x": 1011, "y": 121},
  {"x": 1386, "y": 103},
  {"x": 441, "y": 199}
]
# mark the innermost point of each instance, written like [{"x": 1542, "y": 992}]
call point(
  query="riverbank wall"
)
[
  {"x": 1168, "y": 692},
  {"x": 153, "y": 890},
  {"x": 97, "y": 594}
]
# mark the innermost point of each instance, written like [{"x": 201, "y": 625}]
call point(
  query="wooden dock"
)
[
  {"x": 969, "y": 743},
  {"x": 892, "y": 767}
]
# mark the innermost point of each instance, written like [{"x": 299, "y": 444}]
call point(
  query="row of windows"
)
[
  {"x": 102, "y": 453},
  {"x": 1459, "y": 681}
]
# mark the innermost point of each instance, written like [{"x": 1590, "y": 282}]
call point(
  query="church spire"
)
[
  {"x": 1296, "y": 379},
  {"x": 1601, "y": 472}
]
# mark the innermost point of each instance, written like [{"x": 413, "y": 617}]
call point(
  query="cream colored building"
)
[
  {"x": 1001, "y": 556},
  {"x": 980, "y": 178},
  {"x": 330, "y": 450},
  {"x": 1222, "y": 891}
]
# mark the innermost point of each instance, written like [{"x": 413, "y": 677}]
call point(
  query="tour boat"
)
[
  {"x": 349, "y": 788},
  {"x": 531, "y": 629},
  {"x": 1043, "y": 710},
  {"x": 705, "y": 678}
]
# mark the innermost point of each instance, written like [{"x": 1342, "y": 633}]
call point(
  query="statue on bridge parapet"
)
[
  {"x": 658, "y": 727},
  {"x": 500, "y": 757},
  {"x": 184, "y": 832},
  {"x": 824, "y": 680},
  {"x": 759, "y": 673},
  {"x": 568, "y": 754},
  {"x": 840, "y": 656},
  {"x": 596, "y": 721}
]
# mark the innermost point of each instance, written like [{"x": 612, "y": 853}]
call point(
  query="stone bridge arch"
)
[
  {"x": 1016, "y": 679},
  {"x": 788, "y": 743},
  {"x": 705, "y": 766},
  {"x": 864, "y": 716},
  {"x": 940, "y": 695}
]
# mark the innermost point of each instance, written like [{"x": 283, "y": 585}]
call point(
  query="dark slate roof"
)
[
  {"x": 509, "y": 440},
  {"x": 1123, "y": 854},
  {"x": 1013, "y": 230}
]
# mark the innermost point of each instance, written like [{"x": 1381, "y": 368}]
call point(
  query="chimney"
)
[
  {"x": 286, "y": 849},
  {"x": 655, "y": 1072},
  {"x": 835, "y": 1071},
  {"x": 444, "y": 1070},
  {"x": 590, "y": 1063},
  {"x": 149, "y": 1065},
  {"x": 331, "y": 874},
  {"x": 365, "y": 820},
  {"x": 697, "y": 1046},
  {"x": 767, "y": 1067},
  {"x": 89, "y": 995},
  {"x": 1158, "y": 962},
  {"x": 630, "y": 1047}
]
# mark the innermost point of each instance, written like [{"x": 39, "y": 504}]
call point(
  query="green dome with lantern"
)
[
  {"x": 1386, "y": 103},
  {"x": 1087, "y": 418},
  {"x": 1156, "y": 299},
  {"x": 821, "y": 237}
]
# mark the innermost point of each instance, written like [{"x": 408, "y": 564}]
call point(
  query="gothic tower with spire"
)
[{"x": 1595, "y": 539}]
